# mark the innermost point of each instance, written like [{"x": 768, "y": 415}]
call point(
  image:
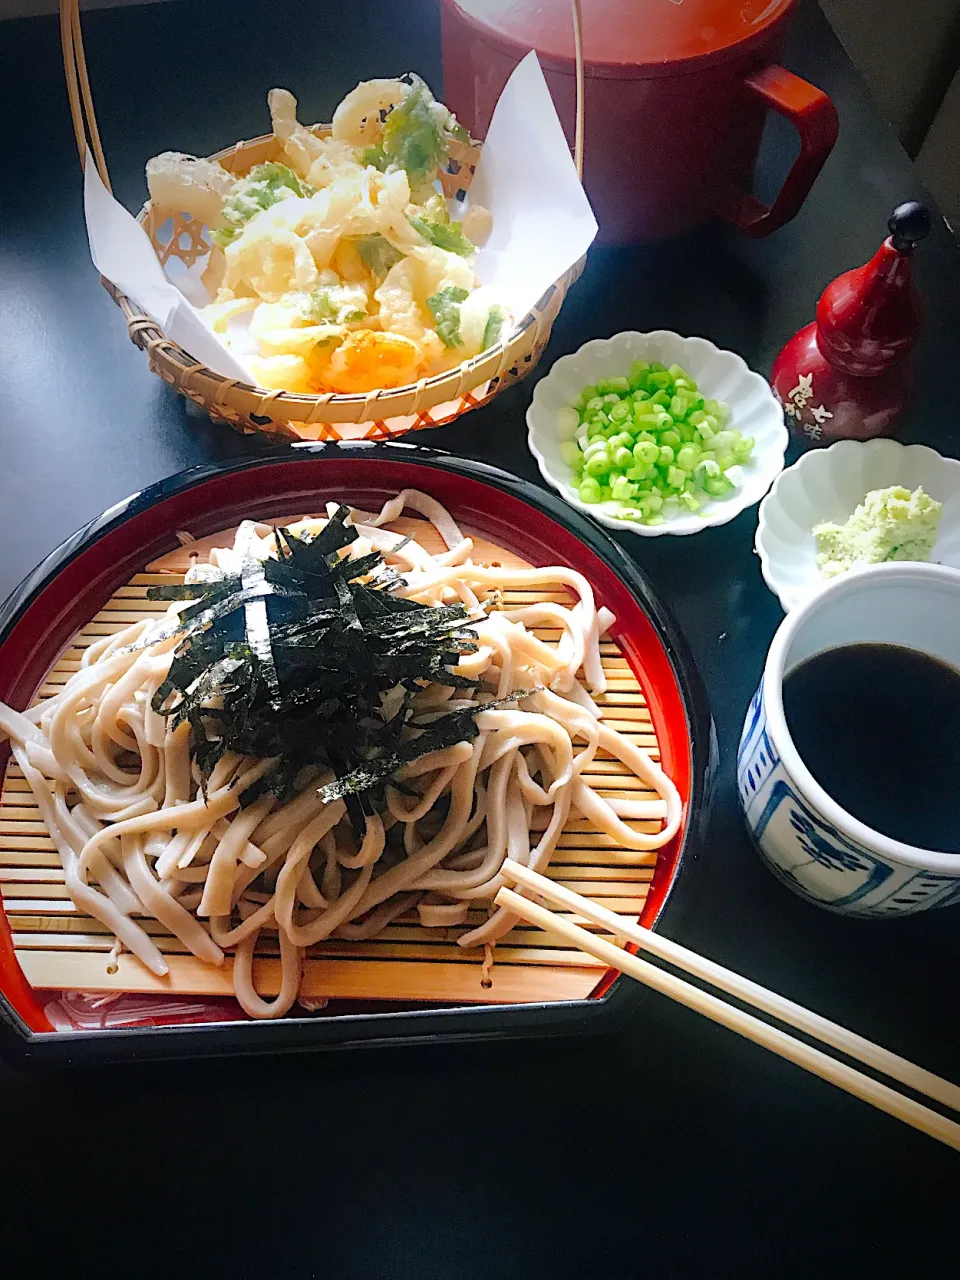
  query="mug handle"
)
[{"x": 814, "y": 117}]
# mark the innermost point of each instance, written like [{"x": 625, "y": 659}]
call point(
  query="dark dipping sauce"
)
[{"x": 878, "y": 726}]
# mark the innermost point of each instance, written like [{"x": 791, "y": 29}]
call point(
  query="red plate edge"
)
[{"x": 83, "y": 585}]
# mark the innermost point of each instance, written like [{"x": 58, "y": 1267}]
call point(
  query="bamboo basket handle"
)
[
  {"x": 78, "y": 89},
  {"x": 578, "y": 51}
]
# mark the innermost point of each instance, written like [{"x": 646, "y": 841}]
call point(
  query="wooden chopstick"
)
[
  {"x": 814, "y": 1060},
  {"x": 794, "y": 1015}
]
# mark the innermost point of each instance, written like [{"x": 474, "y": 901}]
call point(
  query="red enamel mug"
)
[{"x": 676, "y": 95}]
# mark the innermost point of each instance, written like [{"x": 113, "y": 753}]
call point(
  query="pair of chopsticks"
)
[{"x": 811, "y": 1024}]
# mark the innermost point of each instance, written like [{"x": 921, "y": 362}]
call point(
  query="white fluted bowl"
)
[
  {"x": 828, "y": 484},
  {"x": 720, "y": 375}
]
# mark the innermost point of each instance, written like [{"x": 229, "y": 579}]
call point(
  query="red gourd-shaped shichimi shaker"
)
[{"x": 849, "y": 374}]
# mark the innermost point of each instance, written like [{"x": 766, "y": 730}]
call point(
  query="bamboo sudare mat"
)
[{"x": 58, "y": 947}]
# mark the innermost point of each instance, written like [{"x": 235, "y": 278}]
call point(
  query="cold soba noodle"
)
[{"x": 150, "y": 824}]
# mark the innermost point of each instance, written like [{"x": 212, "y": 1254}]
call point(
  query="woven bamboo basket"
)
[{"x": 430, "y": 402}]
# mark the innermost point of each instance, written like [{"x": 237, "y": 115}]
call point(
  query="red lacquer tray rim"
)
[{"x": 71, "y": 584}]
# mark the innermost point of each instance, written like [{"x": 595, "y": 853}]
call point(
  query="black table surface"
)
[{"x": 670, "y": 1147}]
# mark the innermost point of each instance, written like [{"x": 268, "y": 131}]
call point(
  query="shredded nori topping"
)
[
  {"x": 291, "y": 657},
  {"x": 445, "y": 731}
]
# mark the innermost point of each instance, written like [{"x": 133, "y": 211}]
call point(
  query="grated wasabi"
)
[{"x": 889, "y": 524}]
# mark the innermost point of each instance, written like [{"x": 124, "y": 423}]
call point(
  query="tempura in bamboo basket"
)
[{"x": 357, "y": 280}]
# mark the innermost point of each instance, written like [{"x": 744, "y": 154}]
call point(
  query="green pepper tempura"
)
[{"x": 652, "y": 443}]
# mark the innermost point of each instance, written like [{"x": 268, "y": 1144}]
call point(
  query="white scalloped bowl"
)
[
  {"x": 828, "y": 484},
  {"x": 720, "y": 375}
]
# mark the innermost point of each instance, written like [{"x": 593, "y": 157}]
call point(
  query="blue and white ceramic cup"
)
[{"x": 808, "y": 841}]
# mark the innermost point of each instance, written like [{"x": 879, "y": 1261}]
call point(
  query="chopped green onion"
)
[
  {"x": 717, "y": 486},
  {"x": 688, "y": 457},
  {"x": 651, "y": 442},
  {"x": 646, "y": 453}
]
